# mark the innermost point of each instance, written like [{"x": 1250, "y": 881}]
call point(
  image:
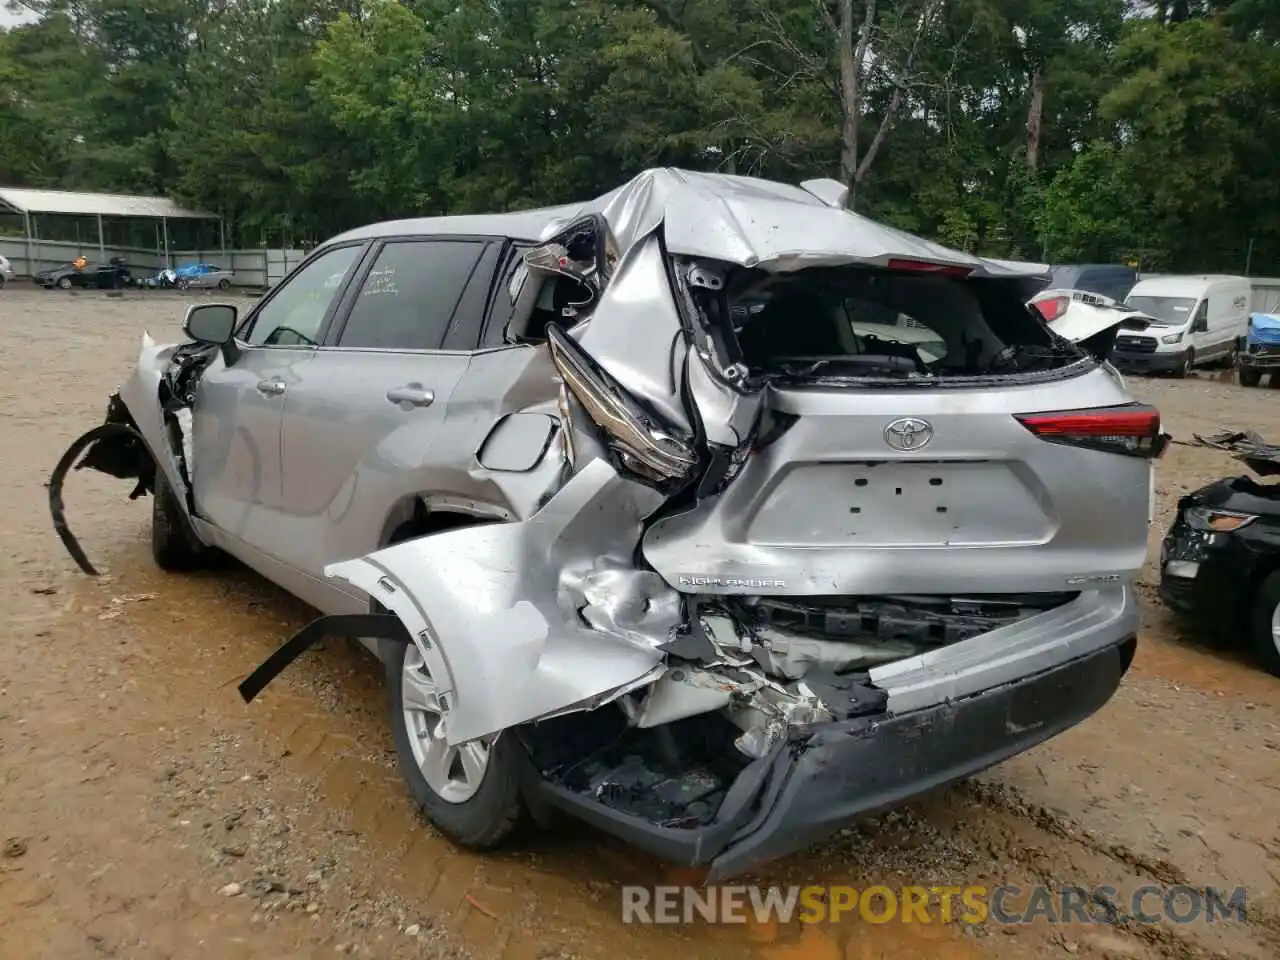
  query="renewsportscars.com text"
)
[{"x": 1007, "y": 904}]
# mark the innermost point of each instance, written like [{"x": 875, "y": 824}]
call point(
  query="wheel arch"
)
[{"x": 422, "y": 515}]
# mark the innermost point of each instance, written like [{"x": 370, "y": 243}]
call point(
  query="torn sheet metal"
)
[
  {"x": 135, "y": 438},
  {"x": 1084, "y": 320},
  {"x": 759, "y": 223},
  {"x": 680, "y": 693},
  {"x": 114, "y": 447},
  {"x": 496, "y": 610},
  {"x": 1249, "y": 448},
  {"x": 637, "y": 337},
  {"x": 150, "y": 398},
  {"x": 791, "y": 655}
]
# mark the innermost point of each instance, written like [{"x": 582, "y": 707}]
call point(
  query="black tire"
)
[
  {"x": 1266, "y": 602},
  {"x": 224, "y": 284},
  {"x": 1188, "y": 364},
  {"x": 64, "y": 283},
  {"x": 488, "y": 817},
  {"x": 1233, "y": 355},
  {"x": 1248, "y": 378},
  {"x": 173, "y": 546}
]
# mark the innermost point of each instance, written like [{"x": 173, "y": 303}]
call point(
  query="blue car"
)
[
  {"x": 192, "y": 275},
  {"x": 1262, "y": 349}
]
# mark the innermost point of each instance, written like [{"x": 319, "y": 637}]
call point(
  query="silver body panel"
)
[
  {"x": 305, "y": 467},
  {"x": 1020, "y": 515}
]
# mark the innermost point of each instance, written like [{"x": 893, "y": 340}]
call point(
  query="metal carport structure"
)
[{"x": 32, "y": 205}]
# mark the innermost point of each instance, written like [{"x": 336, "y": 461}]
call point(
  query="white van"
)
[{"x": 1192, "y": 320}]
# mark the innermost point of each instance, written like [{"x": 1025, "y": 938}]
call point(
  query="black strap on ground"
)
[
  {"x": 60, "y": 474},
  {"x": 383, "y": 626}
]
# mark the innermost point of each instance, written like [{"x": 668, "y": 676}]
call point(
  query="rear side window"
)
[{"x": 409, "y": 295}]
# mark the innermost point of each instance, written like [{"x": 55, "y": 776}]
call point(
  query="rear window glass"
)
[{"x": 886, "y": 323}]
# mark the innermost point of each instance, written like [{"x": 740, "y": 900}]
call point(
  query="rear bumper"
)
[
  {"x": 950, "y": 713},
  {"x": 1152, "y": 362},
  {"x": 842, "y": 771}
]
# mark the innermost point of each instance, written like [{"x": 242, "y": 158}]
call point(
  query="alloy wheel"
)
[{"x": 453, "y": 773}]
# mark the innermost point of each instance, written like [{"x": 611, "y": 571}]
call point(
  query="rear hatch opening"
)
[{"x": 908, "y": 323}]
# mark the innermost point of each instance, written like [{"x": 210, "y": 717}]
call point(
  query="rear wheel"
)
[
  {"x": 173, "y": 546},
  {"x": 1248, "y": 378},
  {"x": 471, "y": 792},
  {"x": 224, "y": 284},
  {"x": 1265, "y": 625}
]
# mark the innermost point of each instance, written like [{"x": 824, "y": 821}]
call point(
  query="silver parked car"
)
[
  {"x": 647, "y": 521},
  {"x": 200, "y": 276}
]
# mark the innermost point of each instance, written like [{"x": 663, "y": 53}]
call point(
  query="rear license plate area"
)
[{"x": 921, "y": 503}]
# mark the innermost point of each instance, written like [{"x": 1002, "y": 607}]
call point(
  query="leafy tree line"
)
[{"x": 1104, "y": 130}]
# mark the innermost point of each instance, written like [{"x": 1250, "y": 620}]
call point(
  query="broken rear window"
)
[{"x": 880, "y": 323}]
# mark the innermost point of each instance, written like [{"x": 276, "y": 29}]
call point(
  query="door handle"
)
[
  {"x": 271, "y": 388},
  {"x": 411, "y": 395}
]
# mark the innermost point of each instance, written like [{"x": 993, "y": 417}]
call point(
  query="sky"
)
[{"x": 8, "y": 18}]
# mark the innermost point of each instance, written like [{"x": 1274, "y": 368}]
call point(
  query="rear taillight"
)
[
  {"x": 1133, "y": 429},
  {"x": 1052, "y": 308},
  {"x": 924, "y": 266}
]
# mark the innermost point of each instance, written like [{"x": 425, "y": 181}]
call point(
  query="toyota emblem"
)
[{"x": 908, "y": 433}]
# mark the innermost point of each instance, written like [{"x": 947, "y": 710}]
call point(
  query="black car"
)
[
  {"x": 102, "y": 276},
  {"x": 1220, "y": 562}
]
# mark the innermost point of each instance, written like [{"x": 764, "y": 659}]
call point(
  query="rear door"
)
[
  {"x": 364, "y": 414},
  {"x": 1220, "y": 324},
  {"x": 1239, "y": 296},
  {"x": 236, "y": 457}
]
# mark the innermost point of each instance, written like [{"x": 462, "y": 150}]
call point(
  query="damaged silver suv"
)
[{"x": 707, "y": 512}]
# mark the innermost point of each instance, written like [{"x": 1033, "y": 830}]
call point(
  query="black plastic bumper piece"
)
[
  {"x": 1151, "y": 362},
  {"x": 817, "y": 782},
  {"x": 383, "y": 626}
]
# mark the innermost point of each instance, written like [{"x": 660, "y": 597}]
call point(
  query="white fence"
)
[{"x": 252, "y": 268}]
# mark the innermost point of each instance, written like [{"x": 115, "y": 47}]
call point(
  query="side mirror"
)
[{"x": 213, "y": 323}]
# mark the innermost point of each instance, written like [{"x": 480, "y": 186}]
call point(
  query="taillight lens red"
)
[
  {"x": 1052, "y": 308},
  {"x": 1132, "y": 429},
  {"x": 923, "y": 266}
]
